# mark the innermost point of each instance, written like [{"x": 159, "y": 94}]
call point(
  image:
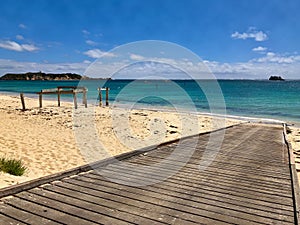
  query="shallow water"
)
[{"x": 253, "y": 98}]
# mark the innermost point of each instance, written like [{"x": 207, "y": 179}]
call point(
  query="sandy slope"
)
[
  {"x": 294, "y": 138},
  {"x": 47, "y": 142}
]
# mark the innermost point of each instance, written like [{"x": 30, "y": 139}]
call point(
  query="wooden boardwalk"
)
[{"x": 249, "y": 182}]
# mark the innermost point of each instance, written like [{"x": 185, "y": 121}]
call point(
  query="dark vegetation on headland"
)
[
  {"x": 41, "y": 76},
  {"x": 276, "y": 78}
]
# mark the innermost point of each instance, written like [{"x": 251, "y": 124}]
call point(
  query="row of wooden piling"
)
[
  {"x": 106, "y": 95},
  {"x": 74, "y": 90}
]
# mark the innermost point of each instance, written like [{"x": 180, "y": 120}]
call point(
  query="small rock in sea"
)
[{"x": 276, "y": 78}]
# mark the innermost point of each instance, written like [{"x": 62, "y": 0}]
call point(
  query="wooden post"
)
[
  {"x": 58, "y": 97},
  {"x": 22, "y": 101},
  {"x": 41, "y": 99},
  {"x": 84, "y": 99},
  {"x": 107, "y": 96},
  {"x": 100, "y": 96},
  {"x": 75, "y": 99}
]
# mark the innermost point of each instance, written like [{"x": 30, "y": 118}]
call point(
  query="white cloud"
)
[
  {"x": 136, "y": 57},
  {"x": 87, "y": 62},
  {"x": 90, "y": 42},
  {"x": 11, "y": 45},
  {"x": 259, "y": 49},
  {"x": 272, "y": 57},
  {"x": 251, "y": 33},
  {"x": 29, "y": 48},
  {"x": 19, "y": 37},
  {"x": 85, "y": 32},
  {"x": 97, "y": 53},
  {"x": 14, "y": 46},
  {"x": 21, "y": 25}
]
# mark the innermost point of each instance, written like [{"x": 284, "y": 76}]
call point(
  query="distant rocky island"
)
[
  {"x": 276, "y": 78},
  {"x": 41, "y": 76}
]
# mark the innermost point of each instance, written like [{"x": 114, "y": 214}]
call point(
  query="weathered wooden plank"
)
[
  {"x": 200, "y": 178},
  {"x": 160, "y": 205},
  {"x": 60, "y": 216},
  {"x": 179, "y": 202},
  {"x": 249, "y": 182},
  {"x": 9, "y": 215},
  {"x": 82, "y": 211},
  {"x": 228, "y": 169},
  {"x": 16, "y": 215},
  {"x": 178, "y": 190},
  {"x": 106, "y": 214},
  {"x": 9, "y": 221},
  {"x": 235, "y": 154},
  {"x": 232, "y": 166},
  {"x": 215, "y": 177},
  {"x": 121, "y": 206},
  {"x": 187, "y": 195},
  {"x": 266, "y": 195},
  {"x": 229, "y": 174}
]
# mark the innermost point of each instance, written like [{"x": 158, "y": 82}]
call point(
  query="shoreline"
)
[
  {"x": 160, "y": 108},
  {"x": 264, "y": 104},
  {"x": 45, "y": 141}
]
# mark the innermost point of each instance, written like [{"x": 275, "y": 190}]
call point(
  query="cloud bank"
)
[{"x": 258, "y": 68}]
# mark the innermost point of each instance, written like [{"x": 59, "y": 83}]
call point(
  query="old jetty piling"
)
[
  {"x": 74, "y": 90},
  {"x": 22, "y": 101},
  {"x": 106, "y": 89}
]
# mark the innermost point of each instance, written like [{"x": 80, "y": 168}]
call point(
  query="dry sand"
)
[
  {"x": 50, "y": 140},
  {"x": 44, "y": 139},
  {"x": 294, "y": 138}
]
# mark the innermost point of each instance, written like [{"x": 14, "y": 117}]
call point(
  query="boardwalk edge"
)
[{"x": 293, "y": 171}]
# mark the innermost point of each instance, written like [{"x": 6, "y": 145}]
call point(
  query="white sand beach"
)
[
  {"x": 294, "y": 138},
  {"x": 45, "y": 141},
  {"x": 44, "y": 138}
]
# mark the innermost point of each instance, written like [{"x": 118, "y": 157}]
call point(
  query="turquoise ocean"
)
[{"x": 246, "y": 98}]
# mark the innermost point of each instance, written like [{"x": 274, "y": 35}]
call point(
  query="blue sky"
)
[{"x": 236, "y": 39}]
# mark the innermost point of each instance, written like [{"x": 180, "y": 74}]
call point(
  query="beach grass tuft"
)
[{"x": 12, "y": 166}]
